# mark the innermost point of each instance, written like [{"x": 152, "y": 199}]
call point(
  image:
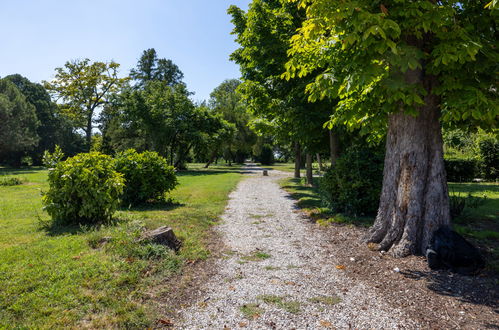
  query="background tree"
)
[
  {"x": 149, "y": 68},
  {"x": 53, "y": 129},
  {"x": 264, "y": 34},
  {"x": 82, "y": 88},
  {"x": 18, "y": 123},
  {"x": 403, "y": 67},
  {"x": 226, "y": 101}
]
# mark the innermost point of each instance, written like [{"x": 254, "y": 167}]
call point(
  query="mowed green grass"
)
[{"x": 61, "y": 277}]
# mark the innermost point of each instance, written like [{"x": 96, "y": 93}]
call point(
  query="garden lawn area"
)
[
  {"x": 480, "y": 225},
  {"x": 70, "y": 277}
]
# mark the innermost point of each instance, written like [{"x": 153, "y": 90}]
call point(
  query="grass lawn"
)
[
  {"x": 480, "y": 225},
  {"x": 66, "y": 276}
]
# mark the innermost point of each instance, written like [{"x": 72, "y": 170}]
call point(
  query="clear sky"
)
[{"x": 40, "y": 35}]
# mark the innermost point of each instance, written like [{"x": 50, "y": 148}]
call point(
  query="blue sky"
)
[{"x": 38, "y": 36}]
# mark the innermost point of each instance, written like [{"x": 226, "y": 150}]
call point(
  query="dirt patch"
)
[{"x": 436, "y": 300}]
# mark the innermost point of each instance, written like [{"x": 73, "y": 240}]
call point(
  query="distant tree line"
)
[{"x": 89, "y": 107}]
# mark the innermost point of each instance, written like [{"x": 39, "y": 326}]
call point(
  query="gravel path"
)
[{"x": 275, "y": 275}]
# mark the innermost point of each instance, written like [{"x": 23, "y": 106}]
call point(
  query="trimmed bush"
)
[
  {"x": 353, "y": 186},
  {"x": 84, "y": 189},
  {"x": 461, "y": 170},
  {"x": 489, "y": 152},
  {"x": 148, "y": 176}
]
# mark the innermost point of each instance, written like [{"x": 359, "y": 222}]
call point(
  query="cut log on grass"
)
[{"x": 164, "y": 236}]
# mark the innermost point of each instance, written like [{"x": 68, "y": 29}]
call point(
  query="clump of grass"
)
[
  {"x": 10, "y": 181},
  {"x": 325, "y": 300},
  {"x": 272, "y": 268},
  {"x": 289, "y": 306},
  {"x": 251, "y": 311},
  {"x": 256, "y": 256}
]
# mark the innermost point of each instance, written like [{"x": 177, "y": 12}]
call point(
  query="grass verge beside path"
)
[
  {"x": 70, "y": 276},
  {"x": 479, "y": 225}
]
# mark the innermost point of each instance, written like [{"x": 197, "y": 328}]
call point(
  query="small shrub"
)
[
  {"x": 458, "y": 204},
  {"x": 489, "y": 152},
  {"x": 461, "y": 170},
  {"x": 84, "y": 189},
  {"x": 26, "y": 161},
  {"x": 353, "y": 186},
  {"x": 50, "y": 160},
  {"x": 10, "y": 181},
  {"x": 147, "y": 175}
]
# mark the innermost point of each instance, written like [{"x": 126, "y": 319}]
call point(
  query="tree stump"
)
[
  {"x": 265, "y": 173},
  {"x": 164, "y": 236}
]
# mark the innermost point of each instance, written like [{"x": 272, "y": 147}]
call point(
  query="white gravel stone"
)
[{"x": 261, "y": 217}]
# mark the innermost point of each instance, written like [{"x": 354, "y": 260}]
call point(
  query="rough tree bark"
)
[
  {"x": 334, "y": 147},
  {"x": 297, "y": 160},
  {"x": 310, "y": 177},
  {"x": 319, "y": 161},
  {"x": 414, "y": 199}
]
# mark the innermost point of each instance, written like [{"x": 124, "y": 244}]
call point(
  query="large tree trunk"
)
[
  {"x": 297, "y": 160},
  {"x": 414, "y": 199},
  {"x": 334, "y": 147},
  {"x": 310, "y": 177}
]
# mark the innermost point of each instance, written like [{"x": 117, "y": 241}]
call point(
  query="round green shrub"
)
[
  {"x": 353, "y": 185},
  {"x": 148, "y": 176},
  {"x": 84, "y": 189},
  {"x": 489, "y": 152}
]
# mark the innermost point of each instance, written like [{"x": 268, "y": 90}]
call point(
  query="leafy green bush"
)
[
  {"x": 50, "y": 160},
  {"x": 84, "y": 189},
  {"x": 461, "y": 170},
  {"x": 147, "y": 176},
  {"x": 353, "y": 186},
  {"x": 489, "y": 152}
]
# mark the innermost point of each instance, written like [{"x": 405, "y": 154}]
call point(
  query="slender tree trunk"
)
[
  {"x": 88, "y": 133},
  {"x": 319, "y": 160},
  {"x": 212, "y": 158},
  {"x": 297, "y": 160},
  {"x": 334, "y": 147},
  {"x": 414, "y": 199},
  {"x": 310, "y": 177}
]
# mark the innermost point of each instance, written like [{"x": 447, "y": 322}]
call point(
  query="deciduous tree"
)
[
  {"x": 405, "y": 68},
  {"x": 82, "y": 88}
]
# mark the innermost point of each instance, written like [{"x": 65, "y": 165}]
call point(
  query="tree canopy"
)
[
  {"x": 83, "y": 87},
  {"x": 18, "y": 122}
]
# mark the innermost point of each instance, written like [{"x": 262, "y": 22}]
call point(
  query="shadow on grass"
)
[
  {"x": 476, "y": 290},
  {"x": 154, "y": 206},
  {"x": 20, "y": 171},
  {"x": 58, "y": 229},
  {"x": 205, "y": 172}
]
